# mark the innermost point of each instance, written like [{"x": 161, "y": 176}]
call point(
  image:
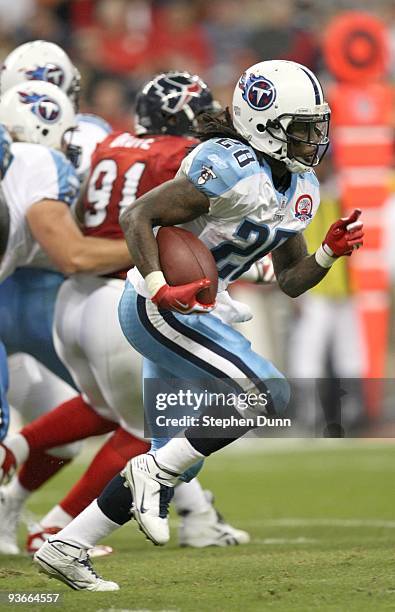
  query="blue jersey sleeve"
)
[
  {"x": 216, "y": 166},
  {"x": 68, "y": 183}
]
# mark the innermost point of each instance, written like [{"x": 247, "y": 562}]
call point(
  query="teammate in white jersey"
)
[
  {"x": 34, "y": 289},
  {"x": 38, "y": 379},
  {"x": 39, "y": 187},
  {"x": 41, "y": 230},
  {"x": 246, "y": 191},
  {"x": 27, "y": 297},
  {"x": 37, "y": 287}
]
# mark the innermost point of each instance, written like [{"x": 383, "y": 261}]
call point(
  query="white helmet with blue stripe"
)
[
  {"x": 41, "y": 60},
  {"x": 279, "y": 108},
  {"x": 37, "y": 112}
]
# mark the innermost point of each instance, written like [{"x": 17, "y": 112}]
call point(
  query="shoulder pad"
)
[{"x": 217, "y": 165}]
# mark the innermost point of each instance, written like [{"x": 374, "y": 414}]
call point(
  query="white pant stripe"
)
[{"x": 196, "y": 349}]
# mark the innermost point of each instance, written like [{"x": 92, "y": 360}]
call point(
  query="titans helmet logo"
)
[
  {"x": 50, "y": 73},
  {"x": 44, "y": 107},
  {"x": 258, "y": 92}
]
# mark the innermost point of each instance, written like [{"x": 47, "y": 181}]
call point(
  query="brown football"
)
[{"x": 184, "y": 258}]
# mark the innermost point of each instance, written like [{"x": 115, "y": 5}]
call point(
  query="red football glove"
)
[
  {"x": 182, "y": 298},
  {"x": 342, "y": 238},
  {"x": 344, "y": 235}
]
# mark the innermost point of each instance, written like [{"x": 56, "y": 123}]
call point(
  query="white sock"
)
[
  {"x": 189, "y": 497},
  {"x": 87, "y": 528},
  {"x": 17, "y": 491},
  {"x": 56, "y": 517},
  {"x": 19, "y": 446},
  {"x": 177, "y": 455}
]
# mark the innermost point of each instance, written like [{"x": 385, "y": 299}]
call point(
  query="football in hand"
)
[{"x": 184, "y": 259}]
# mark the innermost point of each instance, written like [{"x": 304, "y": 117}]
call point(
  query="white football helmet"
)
[
  {"x": 279, "y": 108},
  {"x": 41, "y": 60},
  {"x": 37, "y": 112}
]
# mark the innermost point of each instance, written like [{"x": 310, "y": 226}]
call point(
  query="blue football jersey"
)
[
  {"x": 36, "y": 173},
  {"x": 248, "y": 217}
]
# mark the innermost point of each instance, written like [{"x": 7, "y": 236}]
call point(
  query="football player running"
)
[
  {"x": 260, "y": 194},
  {"x": 90, "y": 340}
]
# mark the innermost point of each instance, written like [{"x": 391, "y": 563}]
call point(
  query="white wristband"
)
[
  {"x": 323, "y": 258},
  {"x": 155, "y": 281}
]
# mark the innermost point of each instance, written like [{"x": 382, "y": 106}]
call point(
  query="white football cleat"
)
[
  {"x": 71, "y": 564},
  {"x": 39, "y": 534},
  {"x": 201, "y": 529},
  {"x": 10, "y": 512},
  {"x": 152, "y": 490}
]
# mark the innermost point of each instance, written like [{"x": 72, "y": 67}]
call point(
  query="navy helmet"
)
[{"x": 171, "y": 103}]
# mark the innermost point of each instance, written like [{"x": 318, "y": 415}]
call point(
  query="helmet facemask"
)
[
  {"x": 72, "y": 151},
  {"x": 304, "y": 139}
]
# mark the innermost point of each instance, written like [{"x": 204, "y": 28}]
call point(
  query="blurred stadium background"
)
[{"x": 337, "y": 344}]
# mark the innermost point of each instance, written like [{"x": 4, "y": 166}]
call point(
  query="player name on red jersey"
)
[{"x": 124, "y": 168}]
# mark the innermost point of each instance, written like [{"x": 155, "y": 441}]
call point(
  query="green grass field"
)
[{"x": 322, "y": 522}]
